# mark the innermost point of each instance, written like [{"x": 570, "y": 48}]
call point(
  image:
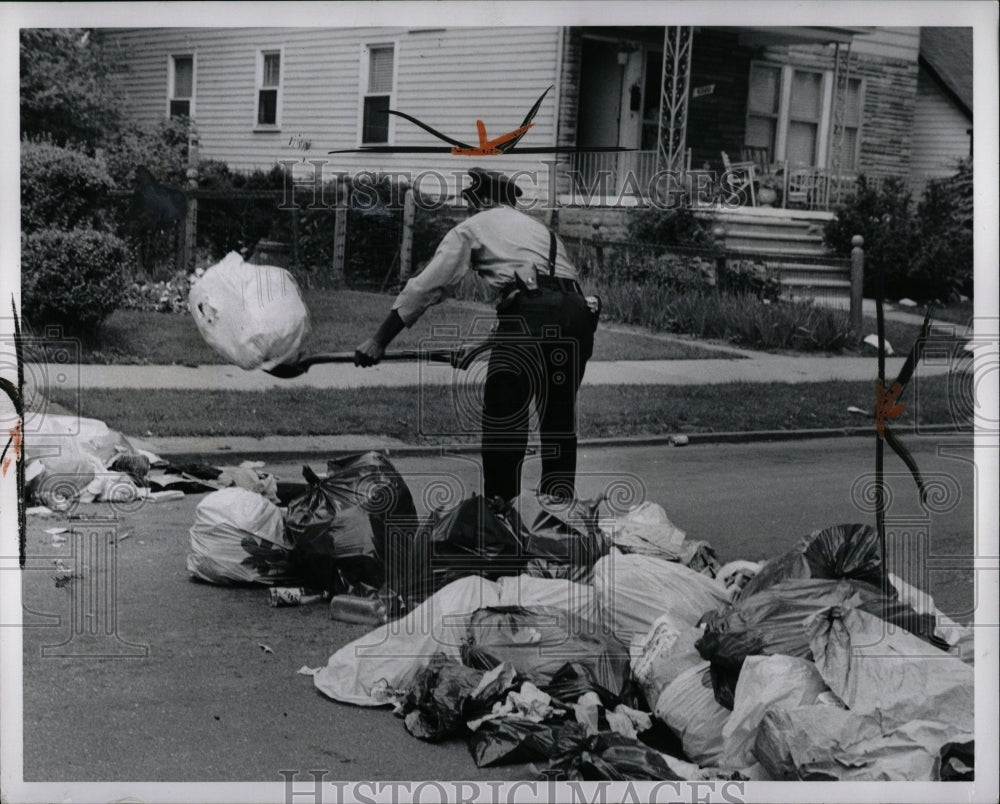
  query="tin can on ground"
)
[
  {"x": 353, "y": 609},
  {"x": 292, "y": 596}
]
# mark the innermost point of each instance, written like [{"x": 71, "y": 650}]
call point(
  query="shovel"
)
[{"x": 461, "y": 358}]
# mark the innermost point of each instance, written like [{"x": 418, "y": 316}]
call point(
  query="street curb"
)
[{"x": 415, "y": 451}]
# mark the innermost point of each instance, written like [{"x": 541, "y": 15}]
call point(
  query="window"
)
[
  {"x": 852, "y": 126},
  {"x": 269, "y": 89},
  {"x": 180, "y": 87},
  {"x": 762, "y": 108},
  {"x": 789, "y": 111},
  {"x": 378, "y": 84}
]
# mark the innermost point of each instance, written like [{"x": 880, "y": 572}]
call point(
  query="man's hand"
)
[{"x": 369, "y": 353}]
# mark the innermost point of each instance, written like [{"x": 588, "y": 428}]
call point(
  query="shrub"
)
[
  {"x": 884, "y": 218},
  {"x": 742, "y": 318},
  {"x": 754, "y": 278},
  {"x": 943, "y": 266},
  {"x": 669, "y": 227},
  {"x": 62, "y": 188},
  {"x": 75, "y": 278}
]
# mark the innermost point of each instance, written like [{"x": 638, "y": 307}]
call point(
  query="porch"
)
[{"x": 768, "y": 117}]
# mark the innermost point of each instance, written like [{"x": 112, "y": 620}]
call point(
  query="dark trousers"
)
[{"x": 544, "y": 343}]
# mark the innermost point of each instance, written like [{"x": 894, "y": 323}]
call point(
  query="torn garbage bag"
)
[
  {"x": 432, "y": 708},
  {"x": 539, "y": 640},
  {"x": 634, "y": 590},
  {"x": 352, "y": 529},
  {"x": 252, "y": 315},
  {"x": 238, "y": 537}
]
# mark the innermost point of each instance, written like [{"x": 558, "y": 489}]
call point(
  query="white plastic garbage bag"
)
[
  {"x": 689, "y": 708},
  {"x": 663, "y": 654},
  {"x": 766, "y": 682},
  {"x": 634, "y": 590},
  {"x": 889, "y": 673},
  {"x": 253, "y": 315},
  {"x": 366, "y": 671},
  {"x": 822, "y": 743},
  {"x": 239, "y": 537}
]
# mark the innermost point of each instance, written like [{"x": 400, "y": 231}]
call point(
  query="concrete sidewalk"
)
[{"x": 758, "y": 368}]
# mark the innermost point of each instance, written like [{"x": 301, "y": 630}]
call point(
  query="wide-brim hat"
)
[{"x": 491, "y": 185}]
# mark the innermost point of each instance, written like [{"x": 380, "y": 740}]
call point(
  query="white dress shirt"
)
[{"x": 492, "y": 243}]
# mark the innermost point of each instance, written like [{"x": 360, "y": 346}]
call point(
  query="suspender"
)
[{"x": 552, "y": 253}]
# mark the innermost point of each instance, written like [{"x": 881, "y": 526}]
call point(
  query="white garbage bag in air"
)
[{"x": 252, "y": 315}]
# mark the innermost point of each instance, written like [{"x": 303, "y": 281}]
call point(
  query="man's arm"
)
[
  {"x": 371, "y": 351},
  {"x": 445, "y": 270}
]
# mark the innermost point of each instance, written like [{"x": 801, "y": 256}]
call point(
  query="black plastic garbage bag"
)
[
  {"x": 539, "y": 641},
  {"x": 350, "y": 528},
  {"x": 841, "y": 551},
  {"x": 511, "y": 740},
  {"x": 562, "y": 537},
  {"x": 958, "y": 761},
  {"x": 432, "y": 708},
  {"x": 574, "y": 679},
  {"x": 474, "y": 537},
  {"x": 609, "y": 756}
]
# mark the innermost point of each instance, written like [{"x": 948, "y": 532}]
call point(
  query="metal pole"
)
[
  {"x": 340, "y": 234},
  {"x": 857, "y": 281},
  {"x": 406, "y": 245}
]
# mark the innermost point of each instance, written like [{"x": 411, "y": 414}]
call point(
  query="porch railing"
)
[{"x": 596, "y": 177}]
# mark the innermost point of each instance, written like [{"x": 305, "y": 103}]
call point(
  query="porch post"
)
[
  {"x": 835, "y": 141},
  {"x": 672, "y": 139}
]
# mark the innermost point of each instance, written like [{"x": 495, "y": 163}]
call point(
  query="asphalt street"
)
[{"x": 182, "y": 681}]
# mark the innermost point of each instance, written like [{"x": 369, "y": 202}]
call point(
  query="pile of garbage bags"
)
[
  {"x": 610, "y": 648},
  {"x": 803, "y": 668}
]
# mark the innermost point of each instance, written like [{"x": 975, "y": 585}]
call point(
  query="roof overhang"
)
[{"x": 802, "y": 35}]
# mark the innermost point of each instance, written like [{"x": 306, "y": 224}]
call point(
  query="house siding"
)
[
  {"x": 446, "y": 78},
  {"x": 940, "y": 134},
  {"x": 890, "y": 90}
]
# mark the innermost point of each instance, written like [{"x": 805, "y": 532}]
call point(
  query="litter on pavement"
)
[{"x": 594, "y": 647}]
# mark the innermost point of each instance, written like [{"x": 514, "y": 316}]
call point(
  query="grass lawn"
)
[
  {"x": 435, "y": 414},
  {"x": 340, "y": 321}
]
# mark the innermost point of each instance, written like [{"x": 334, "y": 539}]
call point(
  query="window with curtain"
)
[
  {"x": 268, "y": 88},
  {"x": 378, "y": 95},
  {"x": 181, "y": 85}
]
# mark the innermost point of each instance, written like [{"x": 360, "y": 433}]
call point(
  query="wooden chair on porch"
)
[
  {"x": 738, "y": 181},
  {"x": 759, "y": 155}
]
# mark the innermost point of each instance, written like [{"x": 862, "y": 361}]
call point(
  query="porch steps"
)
[{"x": 795, "y": 240}]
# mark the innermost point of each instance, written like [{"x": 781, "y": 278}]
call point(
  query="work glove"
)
[{"x": 368, "y": 353}]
